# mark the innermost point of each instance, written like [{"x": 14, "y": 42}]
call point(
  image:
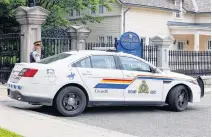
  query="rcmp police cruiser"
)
[
  {"x": 35, "y": 54},
  {"x": 76, "y": 85}
]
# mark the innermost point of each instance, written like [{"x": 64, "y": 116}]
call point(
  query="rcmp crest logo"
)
[{"x": 143, "y": 88}]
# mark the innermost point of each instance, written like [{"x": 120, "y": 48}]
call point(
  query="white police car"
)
[{"x": 71, "y": 81}]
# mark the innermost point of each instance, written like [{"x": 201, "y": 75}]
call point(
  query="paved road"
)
[{"x": 141, "y": 121}]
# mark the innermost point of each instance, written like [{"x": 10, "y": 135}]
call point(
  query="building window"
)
[
  {"x": 180, "y": 45},
  {"x": 101, "y": 9},
  {"x": 209, "y": 45},
  {"x": 93, "y": 10},
  {"x": 178, "y": 15},
  {"x": 101, "y": 39},
  {"x": 109, "y": 39},
  {"x": 77, "y": 13},
  {"x": 71, "y": 12}
]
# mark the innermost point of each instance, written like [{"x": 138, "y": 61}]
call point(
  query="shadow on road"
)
[
  {"x": 97, "y": 110},
  {"x": 124, "y": 109},
  {"x": 39, "y": 109},
  {"x": 94, "y": 110}
]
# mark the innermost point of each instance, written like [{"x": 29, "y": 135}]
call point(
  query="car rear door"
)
[
  {"x": 145, "y": 86},
  {"x": 102, "y": 77}
]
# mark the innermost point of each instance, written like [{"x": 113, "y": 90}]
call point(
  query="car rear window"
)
[{"x": 54, "y": 58}]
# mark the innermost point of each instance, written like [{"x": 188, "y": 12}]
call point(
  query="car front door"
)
[
  {"x": 145, "y": 86},
  {"x": 102, "y": 77}
]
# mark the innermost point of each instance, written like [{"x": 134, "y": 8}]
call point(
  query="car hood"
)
[{"x": 179, "y": 76}]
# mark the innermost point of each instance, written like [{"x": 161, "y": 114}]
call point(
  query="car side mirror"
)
[{"x": 154, "y": 70}]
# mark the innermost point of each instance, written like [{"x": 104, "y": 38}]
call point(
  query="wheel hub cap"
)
[
  {"x": 181, "y": 98},
  {"x": 71, "y": 101}
]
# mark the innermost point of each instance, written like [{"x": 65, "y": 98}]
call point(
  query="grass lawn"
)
[{"x": 6, "y": 133}]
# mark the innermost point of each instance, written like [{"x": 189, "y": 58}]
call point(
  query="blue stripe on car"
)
[{"x": 112, "y": 86}]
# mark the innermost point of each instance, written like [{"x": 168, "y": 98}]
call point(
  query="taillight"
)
[{"x": 26, "y": 72}]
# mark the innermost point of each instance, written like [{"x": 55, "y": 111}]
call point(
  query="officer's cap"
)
[{"x": 37, "y": 43}]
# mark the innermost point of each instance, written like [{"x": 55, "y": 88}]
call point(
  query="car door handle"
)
[
  {"x": 130, "y": 75},
  {"x": 86, "y": 73}
]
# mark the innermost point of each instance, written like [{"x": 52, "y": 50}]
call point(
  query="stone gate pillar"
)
[
  {"x": 78, "y": 35},
  {"x": 31, "y": 19},
  {"x": 163, "y": 51}
]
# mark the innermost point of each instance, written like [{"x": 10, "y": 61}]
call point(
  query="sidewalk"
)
[
  {"x": 17, "y": 120},
  {"x": 3, "y": 91},
  {"x": 29, "y": 124}
]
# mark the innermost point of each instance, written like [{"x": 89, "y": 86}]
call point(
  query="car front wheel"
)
[
  {"x": 178, "y": 99},
  {"x": 71, "y": 101}
]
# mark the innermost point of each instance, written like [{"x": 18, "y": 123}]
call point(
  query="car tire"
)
[
  {"x": 178, "y": 99},
  {"x": 71, "y": 101}
]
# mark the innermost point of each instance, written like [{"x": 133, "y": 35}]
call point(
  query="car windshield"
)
[{"x": 54, "y": 58}]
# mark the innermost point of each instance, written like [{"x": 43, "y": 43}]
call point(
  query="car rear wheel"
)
[
  {"x": 178, "y": 99},
  {"x": 71, "y": 101}
]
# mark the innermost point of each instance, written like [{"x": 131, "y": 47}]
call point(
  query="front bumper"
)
[
  {"x": 201, "y": 85},
  {"x": 32, "y": 100}
]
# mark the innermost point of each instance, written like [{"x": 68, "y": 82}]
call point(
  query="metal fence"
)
[
  {"x": 9, "y": 54},
  {"x": 150, "y": 54},
  {"x": 192, "y": 63},
  {"x": 100, "y": 46},
  {"x": 54, "y": 41},
  {"x": 187, "y": 62},
  {"x": 52, "y": 46}
]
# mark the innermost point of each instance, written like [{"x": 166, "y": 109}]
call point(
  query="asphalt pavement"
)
[{"x": 137, "y": 121}]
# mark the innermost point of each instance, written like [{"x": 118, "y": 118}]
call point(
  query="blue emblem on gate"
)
[{"x": 130, "y": 43}]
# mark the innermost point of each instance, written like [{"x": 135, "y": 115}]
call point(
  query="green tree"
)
[
  {"x": 60, "y": 10},
  {"x": 8, "y": 22}
]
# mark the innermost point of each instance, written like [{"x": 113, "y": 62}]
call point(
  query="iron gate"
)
[
  {"x": 9, "y": 54},
  {"x": 54, "y": 41},
  {"x": 150, "y": 54},
  {"x": 193, "y": 63}
]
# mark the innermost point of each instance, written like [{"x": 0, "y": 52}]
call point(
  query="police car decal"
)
[
  {"x": 15, "y": 87},
  {"x": 71, "y": 76},
  {"x": 123, "y": 84},
  {"x": 142, "y": 89},
  {"x": 114, "y": 84}
]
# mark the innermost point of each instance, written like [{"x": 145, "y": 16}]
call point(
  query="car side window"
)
[
  {"x": 103, "y": 62},
  {"x": 132, "y": 64},
  {"x": 85, "y": 63}
]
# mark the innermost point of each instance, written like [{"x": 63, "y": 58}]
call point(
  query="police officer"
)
[{"x": 35, "y": 54}]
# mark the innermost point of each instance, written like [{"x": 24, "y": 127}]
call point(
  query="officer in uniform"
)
[{"x": 35, "y": 54}]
